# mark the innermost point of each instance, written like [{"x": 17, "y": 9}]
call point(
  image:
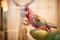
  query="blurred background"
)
[{"x": 9, "y": 16}]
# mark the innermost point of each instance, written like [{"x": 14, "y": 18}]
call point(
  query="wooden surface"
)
[
  {"x": 0, "y": 14},
  {"x": 2, "y": 35},
  {"x": 59, "y": 18},
  {"x": 0, "y": 18}
]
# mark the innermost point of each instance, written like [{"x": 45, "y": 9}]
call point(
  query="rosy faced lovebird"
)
[{"x": 37, "y": 22}]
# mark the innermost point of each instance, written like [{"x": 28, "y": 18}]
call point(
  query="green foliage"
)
[
  {"x": 44, "y": 35},
  {"x": 53, "y": 36}
]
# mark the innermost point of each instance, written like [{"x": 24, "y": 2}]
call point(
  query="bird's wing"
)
[
  {"x": 49, "y": 24},
  {"x": 39, "y": 23}
]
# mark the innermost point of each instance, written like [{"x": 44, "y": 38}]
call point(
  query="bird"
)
[{"x": 38, "y": 22}]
